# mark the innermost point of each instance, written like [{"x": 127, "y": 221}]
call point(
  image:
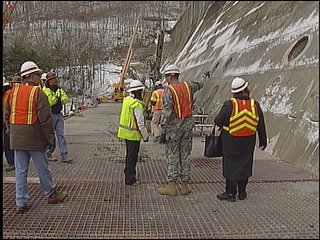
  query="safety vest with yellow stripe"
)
[
  {"x": 128, "y": 128},
  {"x": 182, "y": 98},
  {"x": 157, "y": 98},
  {"x": 23, "y": 103},
  {"x": 244, "y": 118}
]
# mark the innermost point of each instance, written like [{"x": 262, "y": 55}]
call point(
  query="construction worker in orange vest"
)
[
  {"x": 9, "y": 153},
  {"x": 156, "y": 103},
  {"x": 240, "y": 118},
  {"x": 176, "y": 129},
  {"x": 29, "y": 121}
]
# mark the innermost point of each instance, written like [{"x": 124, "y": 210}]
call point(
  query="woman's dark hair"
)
[
  {"x": 244, "y": 93},
  {"x": 138, "y": 94}
]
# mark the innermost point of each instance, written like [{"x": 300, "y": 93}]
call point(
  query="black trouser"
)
[
  {"x": 231, "y": 186},
  {"x": 9, "y": 153},
  {"x": 132, "y": 148}
]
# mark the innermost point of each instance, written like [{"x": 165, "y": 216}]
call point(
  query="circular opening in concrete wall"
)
[
  {"x": 298, "y": 48},
  {"x": 228, "y": 62}
]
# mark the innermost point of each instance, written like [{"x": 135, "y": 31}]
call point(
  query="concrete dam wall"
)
[{"x": 275, "y": 47}]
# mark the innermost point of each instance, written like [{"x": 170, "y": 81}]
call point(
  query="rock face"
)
[{"x": 275, "y": 47}]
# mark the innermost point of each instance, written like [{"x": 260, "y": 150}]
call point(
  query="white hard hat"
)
[
  {"x": 28, "y": 67},
  {"x": 135, "y": 85},
  {"x": 43, "y": 76},
  {"x": 172, "y": 69},
  {"x": 238, "y": 84}
]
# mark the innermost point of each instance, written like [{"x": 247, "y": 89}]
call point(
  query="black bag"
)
[{"x": 213, "y": 145}]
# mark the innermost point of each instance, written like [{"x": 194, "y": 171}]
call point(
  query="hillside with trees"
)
[{"x": 83, "y": 34}]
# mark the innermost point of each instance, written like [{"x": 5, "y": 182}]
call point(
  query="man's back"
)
[{"x": 33, "y": 135}]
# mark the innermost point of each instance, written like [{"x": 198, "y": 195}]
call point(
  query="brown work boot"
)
[
  {"x": 51, "y": 158},
  {"x": 56, "y": 197},
  {"x": 169, "y": 189},
  {"x": 9, "y": 168},
  {"x": 21, "y": 210},
  {"x": 66, "y": 159},
  {"x": 185, "y": 188}
]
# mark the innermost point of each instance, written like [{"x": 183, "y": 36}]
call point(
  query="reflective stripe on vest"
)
[
  {"x": 128, "y": 126},
  {"x": 157, "y": 97},
  {"x": 243, "y": 119},
  {"x": 23, "y": 104},
  {"x": 182, "y": 98}
]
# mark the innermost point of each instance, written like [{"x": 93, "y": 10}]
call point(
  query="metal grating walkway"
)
[{"x": 283, "y": 202}]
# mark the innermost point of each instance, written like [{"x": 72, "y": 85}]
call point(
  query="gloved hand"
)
[
  {"x": 262, "y": 147},
  {"x": 162, "y": 139},
  {"x": 146, "y": 140},
  {"x": 52, "y": 147}
]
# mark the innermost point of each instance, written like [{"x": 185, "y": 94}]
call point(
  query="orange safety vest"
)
[
  {"x": 5, "y": 98},
  {"x": 182, "y": 97},
  {"x": 243, "y": 119},
  {"x": 157, "y": 97},
  {"x": 23, "y": 103}
]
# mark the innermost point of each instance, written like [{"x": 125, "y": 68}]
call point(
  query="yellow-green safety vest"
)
[{"x": 128, "y": 128}]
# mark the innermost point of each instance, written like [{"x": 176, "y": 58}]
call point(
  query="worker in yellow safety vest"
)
[{"x": 132, "y": 129}]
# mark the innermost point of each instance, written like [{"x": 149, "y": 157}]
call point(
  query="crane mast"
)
[{"x": 119, "y": 86}]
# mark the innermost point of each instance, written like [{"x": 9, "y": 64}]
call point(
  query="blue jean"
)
[
  {"x": 58, "y": 125},
  {"x": 8, "y": 152},
  {"x": 22, "y": 159}
]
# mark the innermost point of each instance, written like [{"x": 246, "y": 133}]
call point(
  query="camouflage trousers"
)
[{"x": 178, "y": 151}]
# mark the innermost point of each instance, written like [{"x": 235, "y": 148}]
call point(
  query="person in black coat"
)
[{"x": 240, "y": 118}]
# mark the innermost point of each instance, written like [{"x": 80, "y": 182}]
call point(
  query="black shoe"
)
[
  {"x": 242, "y": 196},
  {"x": 227, "y": 196}
]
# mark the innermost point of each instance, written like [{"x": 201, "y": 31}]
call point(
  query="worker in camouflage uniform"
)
[{"x": 176, "y": 129}]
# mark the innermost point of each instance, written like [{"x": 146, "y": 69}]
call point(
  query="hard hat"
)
[
  {"x": 135, "y": 85},
  {"x": 238, "y": 84},
  {"x": 43, "y": 76},
  {"x": 28, "y": 67},
  {"x": 51, "y": 75},
  {"x": 172, "y": 69}
]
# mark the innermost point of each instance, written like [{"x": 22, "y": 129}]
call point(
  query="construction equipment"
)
[
  {"x": 157, "y": 74},
  {"x": 119, "y": 91},
  {"x": 8, "y": 7}
]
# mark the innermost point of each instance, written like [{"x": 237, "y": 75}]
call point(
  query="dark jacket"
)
[
  {"x": 238, "y": 152},
  {"x": 32, "y": 137}
]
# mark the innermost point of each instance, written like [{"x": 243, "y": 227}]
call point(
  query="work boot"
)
[
  {"x": 169, "y": 189},
  {"x": 56, "y": 197},
  {"x": 51, "y": 158},
  {"x": 21, "y": 210},
  {"x": 66, "y": 159},
  {"x": 9, "y": 168},
  {"x": 185, "y": 188}
]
